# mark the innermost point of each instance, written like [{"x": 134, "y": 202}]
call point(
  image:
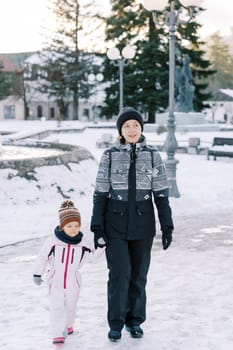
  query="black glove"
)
[
  {"x": 166, "y": 239},
  {"x": 99, "y": 239}
]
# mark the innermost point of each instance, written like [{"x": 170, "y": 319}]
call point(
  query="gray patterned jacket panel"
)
[{"x": 112, "y": 177}]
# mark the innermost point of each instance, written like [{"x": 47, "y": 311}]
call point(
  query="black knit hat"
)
[{"x": 127, "y": 114}]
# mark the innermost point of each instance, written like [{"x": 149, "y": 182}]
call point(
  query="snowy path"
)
[
  {"x": 190, "y": 286},
  {"x": 189, "y": 296}
]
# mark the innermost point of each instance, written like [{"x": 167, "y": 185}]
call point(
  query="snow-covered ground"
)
[{"x": 190, "y": 286}]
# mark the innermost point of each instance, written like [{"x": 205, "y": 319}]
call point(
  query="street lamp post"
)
[
  {"x": 171, "y": 19},
  {"x": 95, "y": 79},
  {"x": 121, "y": 60}
]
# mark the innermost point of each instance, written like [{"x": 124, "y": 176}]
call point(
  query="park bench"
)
[
  {"x": 194, "y": 144},
  {"x": 221, "y": 147},
  {"x": 191, "y": 146},
  {"x": 105, "y": 141}
]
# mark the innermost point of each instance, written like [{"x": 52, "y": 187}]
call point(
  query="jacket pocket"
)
[
  {"x": 145, "y": 218},
  {"x": 119, "y": 176},
  {"x": 144, "y": 207},
  {"x": 116, "y": 218},
  {"x": 117, "y": 207},
  {"x": 144, "y": 178}
]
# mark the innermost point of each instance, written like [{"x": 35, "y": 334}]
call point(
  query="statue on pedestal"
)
[{"x": 184, "y": 86}]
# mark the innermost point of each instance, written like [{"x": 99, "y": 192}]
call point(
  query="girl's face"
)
[
  {"x": 72, "y": 228},
  {"x": 131, "y": 130}
]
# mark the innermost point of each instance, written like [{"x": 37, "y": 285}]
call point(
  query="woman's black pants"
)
[{"x": 128, "y": 264}]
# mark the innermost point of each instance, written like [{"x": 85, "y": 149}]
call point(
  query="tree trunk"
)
[
  {"x": 75, "y": 105},
  {"x": 151, "y": 116}
]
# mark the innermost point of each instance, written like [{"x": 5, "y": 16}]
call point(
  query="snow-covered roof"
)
[
  {"x": 8, "y": 65},
  {"x": 228, "y": 92},
  {"x": 223, "y": 95}
]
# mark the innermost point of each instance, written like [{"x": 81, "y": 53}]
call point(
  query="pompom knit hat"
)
[
  {"x": 68, "y": 213},
  {"x": 127, "y": 114}
]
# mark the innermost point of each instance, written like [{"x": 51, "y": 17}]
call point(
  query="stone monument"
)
[
  {"x": 184, "y": 86},
  {"x": 184, "y": 95}
]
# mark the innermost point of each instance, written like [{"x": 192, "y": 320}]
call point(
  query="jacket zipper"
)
[{"x": 67, "y": 264}]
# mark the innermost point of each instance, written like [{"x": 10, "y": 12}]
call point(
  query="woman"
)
[{"x": 130, "y": 173}]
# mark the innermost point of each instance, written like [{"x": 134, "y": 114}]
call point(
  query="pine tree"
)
[
  {"x": 65, "y": 66},
  {"x": 5, "y": 83},
  {"x": 189, "y": 43},
  {"x": 222, "y": 59},
  {"x": 146, "y": 78}
]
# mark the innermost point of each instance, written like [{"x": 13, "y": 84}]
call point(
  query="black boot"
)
[
  {"x": 135, "y": 331},
  {"x": 114, "y": 335}
]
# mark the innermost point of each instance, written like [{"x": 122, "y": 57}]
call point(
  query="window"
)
[
  {"x": 39, "y": 111},
  {"x": 86, "y": 113},
  {"x": 52, "y": 113},
  {"x": 9, "y": 112}
]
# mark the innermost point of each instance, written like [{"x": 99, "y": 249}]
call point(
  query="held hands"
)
[
  {"x": 99, "y": 239},
  {"x": 37, "y": 280},
  {"x": 166, "y": 239}
]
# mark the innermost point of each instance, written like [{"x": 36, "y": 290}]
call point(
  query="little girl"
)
[{"x": 60, "y": 259}]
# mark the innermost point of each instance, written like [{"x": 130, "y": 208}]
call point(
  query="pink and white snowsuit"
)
[{"x": 60, "y": 263}]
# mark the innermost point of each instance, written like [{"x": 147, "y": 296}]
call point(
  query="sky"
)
[
  {"x": 189, "y": 289},
  {"x": 21, "y": 22}
]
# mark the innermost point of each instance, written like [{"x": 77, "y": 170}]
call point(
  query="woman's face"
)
[
  {"x": 72, "y": 228},
  {"x": 131, "y": 130}
]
